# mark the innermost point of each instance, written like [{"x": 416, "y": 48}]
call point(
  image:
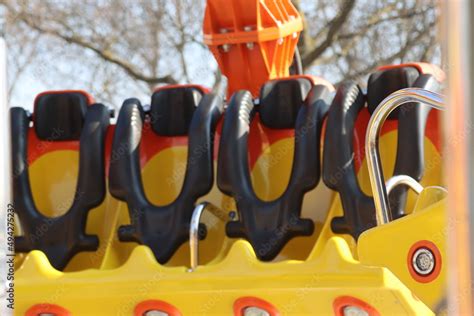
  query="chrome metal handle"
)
[
  {"x": 194, "y": 230},
  {"x": 396, "y": 99},
  {"x": 403, "y": 180}
]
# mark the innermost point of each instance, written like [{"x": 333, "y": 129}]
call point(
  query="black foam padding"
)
[
  {"x": 62, "y": 237},
  {"x": 382, "y": 83},
  {"x": 60, "y": 116},
  {"x": 162, "y": 228},
  {"x": 268, "y": 226},
  {"x": 339, "y": 171},
  {"x": 281, "y": 100},
  {"x": 172, "y": 110}
]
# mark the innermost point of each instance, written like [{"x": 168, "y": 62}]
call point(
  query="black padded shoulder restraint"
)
[
  {"x": 64, "y": 235},
  {"x": 339, "y": 172},
  {"x": 338, "y": 166},
  {"x": 162, "y": 228},
  {"x": 270, "y": 225}
]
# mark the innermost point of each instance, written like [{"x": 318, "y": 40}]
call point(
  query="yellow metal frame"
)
[
  {"x": 294, "y": 287},
  {"x": 119, "y": 276}
]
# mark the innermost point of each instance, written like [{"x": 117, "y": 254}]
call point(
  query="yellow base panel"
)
[
  {"x": 293, "y": 287},
  {"x": 117, "y": 277}
]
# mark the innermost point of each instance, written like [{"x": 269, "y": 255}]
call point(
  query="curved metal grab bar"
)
[
  {"x": 403, "y": 180},
  {"x": 194, "y": 230},
  {"x": 390, "y": 103}
]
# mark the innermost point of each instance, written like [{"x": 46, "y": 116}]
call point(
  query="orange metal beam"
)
[{"x": 252, "y": 40}]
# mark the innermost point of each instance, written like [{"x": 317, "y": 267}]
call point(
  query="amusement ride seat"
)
[
  {"x": 66, "y": 117},
  {"x": 341, "y": 156},
  {"x": 176, "y": 111},
  {"x": 297, "y": 103}
]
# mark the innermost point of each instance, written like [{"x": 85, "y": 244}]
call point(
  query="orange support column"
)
[{"x": 252, "y": 40}]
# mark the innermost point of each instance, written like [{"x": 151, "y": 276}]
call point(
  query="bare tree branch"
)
[
  {"x": 334, "y": 28},
  {"x": 390, "y": 59},
  {"x": 106, "y": 54},
  {"x": 120, "y": 48}
]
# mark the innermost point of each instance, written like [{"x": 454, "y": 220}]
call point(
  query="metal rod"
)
[
  {"x": 396, "y": 99},
  {"x": 194, "y": 230},
  {"x": 403, "y": 180}
]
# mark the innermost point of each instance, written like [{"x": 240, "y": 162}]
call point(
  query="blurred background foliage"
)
[{"x": 117, "y": 49}]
